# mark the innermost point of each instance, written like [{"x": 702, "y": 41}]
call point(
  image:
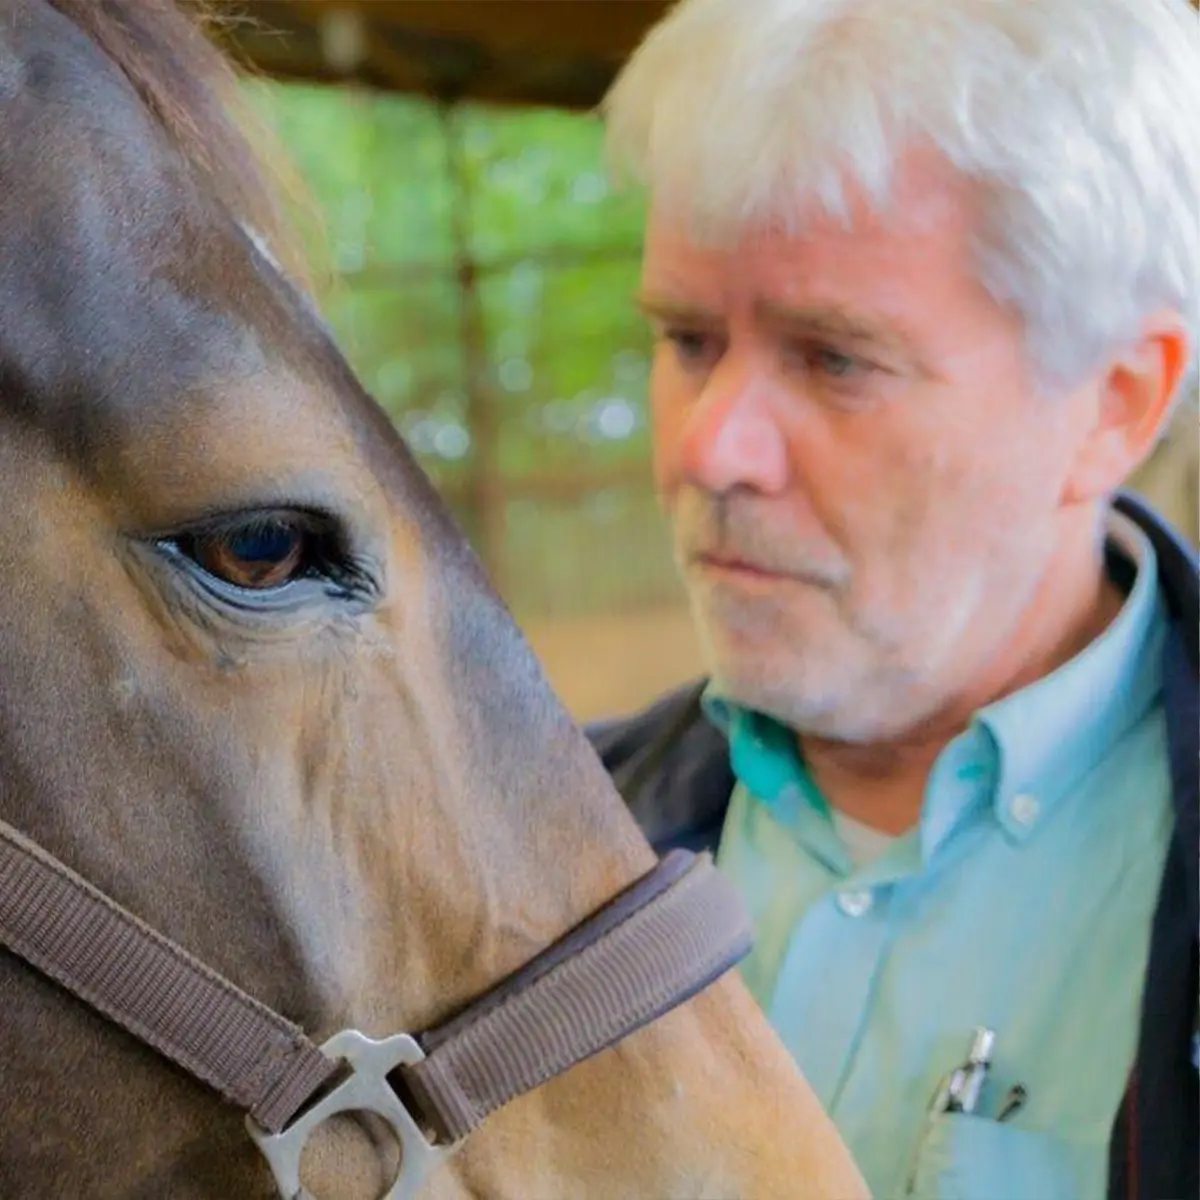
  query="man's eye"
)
[
  {"x": 832, "y": 364},
  {"x": 259, "y": 554},
  {"x": 692, "y": 347},
  {"x": 835, "y": 364}
]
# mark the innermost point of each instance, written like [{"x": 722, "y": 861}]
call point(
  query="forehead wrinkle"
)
[{"x": 839, "y": 323}]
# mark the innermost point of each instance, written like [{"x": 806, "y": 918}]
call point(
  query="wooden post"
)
[{"x": 485, "y": 489}]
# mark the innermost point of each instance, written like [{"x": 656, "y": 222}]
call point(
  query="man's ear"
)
[{"x": 1132, "y": 403}]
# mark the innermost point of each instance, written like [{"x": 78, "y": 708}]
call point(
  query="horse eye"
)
[{"x": 258, "y": 555}]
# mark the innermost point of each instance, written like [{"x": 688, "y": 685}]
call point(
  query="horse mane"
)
[{"x": 195, "y": 94}]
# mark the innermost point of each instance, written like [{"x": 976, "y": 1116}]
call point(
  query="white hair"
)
[{"x": 1080, "y": 120}]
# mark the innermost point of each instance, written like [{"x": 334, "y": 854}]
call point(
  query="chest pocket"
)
[{"x": 964, "y": 1157}]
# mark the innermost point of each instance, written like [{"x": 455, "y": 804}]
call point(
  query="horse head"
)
[{"x": 256, "y": 688}]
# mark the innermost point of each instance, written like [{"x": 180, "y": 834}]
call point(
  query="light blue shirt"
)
[{"x": 1021, "y": 902}]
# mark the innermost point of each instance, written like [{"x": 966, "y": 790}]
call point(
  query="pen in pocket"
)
[
  {"x": 966, "y": 1082},
  {"x": 958, "y": 1091}
]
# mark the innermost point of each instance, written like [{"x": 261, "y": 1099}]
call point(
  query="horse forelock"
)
[
  {"x": 143, "y": 258},
  {"x": 194, "y": 94}
]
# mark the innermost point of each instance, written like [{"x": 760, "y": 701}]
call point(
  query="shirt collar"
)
[
  {"x": 1049, "y": 734},
  {"x": 763, "y": 753}
]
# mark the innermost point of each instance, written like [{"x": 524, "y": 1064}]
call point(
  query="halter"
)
[{"x": 654, "y": 946}]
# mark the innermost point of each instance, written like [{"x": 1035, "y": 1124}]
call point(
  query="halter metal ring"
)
[{"x": 365, "y": 1089}]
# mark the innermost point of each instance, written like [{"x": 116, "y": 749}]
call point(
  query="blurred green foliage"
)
[{"x": 549, "y": 405}]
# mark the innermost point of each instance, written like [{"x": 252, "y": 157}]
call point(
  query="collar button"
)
[
  {"x": 1024, "y": 809},
  {"x": 855, "y": 904}
]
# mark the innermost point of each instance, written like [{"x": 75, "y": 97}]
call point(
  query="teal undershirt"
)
[{"x": 1022, "y": 901}]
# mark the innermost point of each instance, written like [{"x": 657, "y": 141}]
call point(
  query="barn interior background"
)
[{"x": 483, "y": 275}]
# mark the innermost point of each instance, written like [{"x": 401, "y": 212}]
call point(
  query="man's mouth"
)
[
  {"x": 729, "y": 564},
  {"x": 735, "y": 568}
]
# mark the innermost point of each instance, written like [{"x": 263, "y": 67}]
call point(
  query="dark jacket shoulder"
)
[{"x": 672, "y": 768}]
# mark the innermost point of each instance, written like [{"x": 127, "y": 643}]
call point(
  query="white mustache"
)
[{"x": 730, "y": 528}]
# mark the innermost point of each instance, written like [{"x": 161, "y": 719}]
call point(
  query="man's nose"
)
[{"x": 731, "y": 438}]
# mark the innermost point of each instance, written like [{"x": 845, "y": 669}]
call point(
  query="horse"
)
[{"x": 258, "y": 691}]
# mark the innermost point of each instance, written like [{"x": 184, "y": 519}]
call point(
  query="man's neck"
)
[{"x": 883, "y": 784}]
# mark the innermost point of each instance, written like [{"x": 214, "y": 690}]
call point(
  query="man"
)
[{"x": 924, "y": 278}]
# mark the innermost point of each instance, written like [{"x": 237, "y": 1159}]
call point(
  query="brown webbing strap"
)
[
  {"x": 69, "y": 930},
  {"x": 660, "y": 942},
  {"x": 664, "y": 940}
]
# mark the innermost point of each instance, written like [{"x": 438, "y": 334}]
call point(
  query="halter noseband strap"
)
[{"x": 656, "y": 945}]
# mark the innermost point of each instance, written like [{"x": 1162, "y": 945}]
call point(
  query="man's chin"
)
[
  {"x": 765, "y": 685},
  {"x": 813, "y": 698}
]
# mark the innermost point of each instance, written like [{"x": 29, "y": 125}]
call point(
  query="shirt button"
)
[
  {"x": 855, "y": 904},
  {"x": 1024, "y": 809}
]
